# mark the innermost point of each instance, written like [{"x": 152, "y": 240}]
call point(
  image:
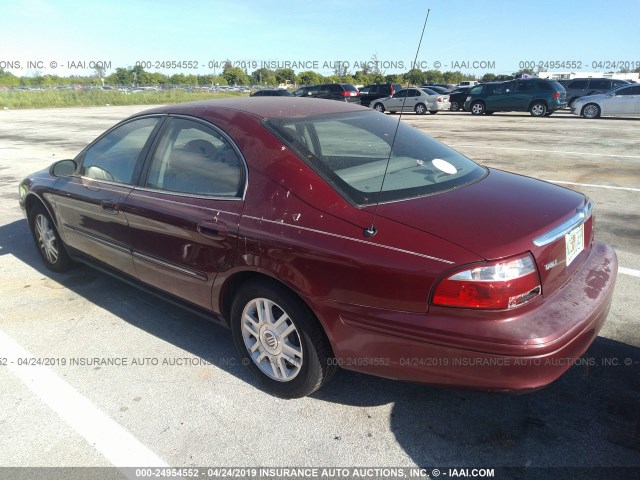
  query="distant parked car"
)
[
  {"x": 380, "y": 90},
  {"x": 624, "y": 101},
  {"x": 438, "y": 89},
  {"x": 457, "y": 98},
  {"x": 271, "y": 93},
  {"x": 539, "y": 97},
  {"x": 344, "y": 92},
  {"x": 580, "y": 87},
  {"x": 419, "y": 100},
  {"x": 468, "y": 83}
]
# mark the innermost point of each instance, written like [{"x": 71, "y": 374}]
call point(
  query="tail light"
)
[
  {"x": 440, "y": 99},
  {"x": 349, "y": 93},
  {"x": 498, "y": 285},
  {"x": 556, "y": 95},
  {"x": 393, "y": 90}
]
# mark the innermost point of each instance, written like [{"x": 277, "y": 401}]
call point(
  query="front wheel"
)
[
  {"x": 591, "y": 110},
  {"x": 538, "y": 109},
  {"x": 280, "y": 340},
  {"x": 379, "y": 107},
  {"x": 420, "y": 109},
  {"x": 46, "y": 237}
]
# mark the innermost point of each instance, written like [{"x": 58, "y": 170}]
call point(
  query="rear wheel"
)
[
  {"x": 280, "y": 340},
  {"x": 455, "y": 106},
  {"x": 538, "y": 109},
  {"x": 477, "y": 108},
  {"x": 50, "y": 246},
  {"x": 379, "y": 107},
  {"x": 420, "y": 109},
  {"x": 591, "y": 110}
]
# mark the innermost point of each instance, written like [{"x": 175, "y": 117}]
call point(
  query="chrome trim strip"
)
[
  {"x": 191, "y": 205},
  {"x": 583, "y": 214},
  {"x": 185, "y": 271},
  {"x": 187, "y": 195},
  {"x": 335, "y": 235},
  {"x": 105, "y": 182},
  {"x": 97, "y": 239}
]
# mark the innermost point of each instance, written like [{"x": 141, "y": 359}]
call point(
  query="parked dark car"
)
[
  {"x": 271, "y": 93},
  {"x": 537, "y": 96},
  {"x": 580, "y": 87},
  {"x": 344, "y": 92},
  {"x": 376, "y": 91},
  {"x": 438, "y": 89},
  {"x": 458, "y": 97},
  {"x": 325, "y": 234}
]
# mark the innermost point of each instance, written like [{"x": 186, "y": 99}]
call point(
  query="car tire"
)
[
  {"x": 379, "y": 107},
  {"x": 45, "y": 235},
  {"x": 280, "y": 340},
  {"x": 591, "y": 110},
  {"x": 433, "y": 112},
  {"x": 454, "y": 106},
  {"x": 420, "y": 109},
  {"x": 477, "y": 108},
  {"x": 538, "y": 109}
]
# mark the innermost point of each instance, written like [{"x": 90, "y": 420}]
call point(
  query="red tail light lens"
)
[
  {"x": 498, "y": 285},
  {"x": 556, "y": 95},
  {"x": 440, "y": 99}
]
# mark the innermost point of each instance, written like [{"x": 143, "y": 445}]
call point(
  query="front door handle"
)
[
  {"x": 213, "y": 230},
  {"x": 110, "y": 207}
]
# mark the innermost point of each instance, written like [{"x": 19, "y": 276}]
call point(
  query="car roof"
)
[{"x": 263, "y": 107}]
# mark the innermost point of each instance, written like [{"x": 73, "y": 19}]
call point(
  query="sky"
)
[{"x": 64, "y": 37}]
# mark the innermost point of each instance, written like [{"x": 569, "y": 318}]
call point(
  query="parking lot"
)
[{"x": 178, "y": 396}]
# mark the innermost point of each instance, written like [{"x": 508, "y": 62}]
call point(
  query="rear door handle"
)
[
  {"x": 110, "y": 207},
  {"x": 213, "y": 230}
]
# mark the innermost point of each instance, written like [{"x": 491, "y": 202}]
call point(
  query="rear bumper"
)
[{"x": 526, "y": 351}]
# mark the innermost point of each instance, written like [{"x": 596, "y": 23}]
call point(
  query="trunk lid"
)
[{"x": 504, "y": 215}]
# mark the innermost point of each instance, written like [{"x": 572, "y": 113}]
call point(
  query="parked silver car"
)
[
  {"x": 624, "y": 101},
  {"x": 419, "y": 100}
]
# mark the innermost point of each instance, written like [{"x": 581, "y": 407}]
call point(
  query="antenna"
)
[{"x": 371, "y": 230}]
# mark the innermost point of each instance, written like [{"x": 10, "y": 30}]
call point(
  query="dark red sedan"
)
[{"x": 326, "y": 234}]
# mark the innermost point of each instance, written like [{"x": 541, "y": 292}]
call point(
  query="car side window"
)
[
  {"x": 413, "y": 93},
  {"x": 635, "y": 90},
  {"x": 600, "y": 84},
  {"x": 526, "y": 87},
  {"x": 400, "y": 94},
  {"x": 577, "y": 84},
  {"x": 114, "y": 156},
  {"x": 193, "y": 158}
]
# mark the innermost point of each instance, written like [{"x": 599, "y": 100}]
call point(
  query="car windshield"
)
[{"x": 353, "y": 153}]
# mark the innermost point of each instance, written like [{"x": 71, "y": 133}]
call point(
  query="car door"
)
[
  {"x": 90, "y": 211},
  {"x": 413, "y": 98},
  {"x": 625, "y": 101},
  {"x": 394, "y": 104},
  {"x": 500, "y": 98},
  {"x": 184, "y": 214}
]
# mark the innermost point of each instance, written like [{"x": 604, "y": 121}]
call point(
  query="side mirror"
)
[{"x": 63, "y": 168}]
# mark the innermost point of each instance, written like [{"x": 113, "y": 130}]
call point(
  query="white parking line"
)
[
  {"x": 548, "y": 151},
  {"x": 630, "y": 189},
  {"x": 629, "y": 271},
  {"x": 117, "y": 445}
]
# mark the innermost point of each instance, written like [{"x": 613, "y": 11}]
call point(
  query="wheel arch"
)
[
  {"x": 32, "y": 200},
  {"x": 225, "y": 289},
  {"x": 538, "y": 100}
]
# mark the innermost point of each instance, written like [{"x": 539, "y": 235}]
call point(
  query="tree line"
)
[{"x": 137, "y": 76}]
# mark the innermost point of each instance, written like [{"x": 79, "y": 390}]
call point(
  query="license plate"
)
[{"x": 574, "y": 243}]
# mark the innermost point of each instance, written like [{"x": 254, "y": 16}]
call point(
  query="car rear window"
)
[{"x": 357, "y": 155}]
